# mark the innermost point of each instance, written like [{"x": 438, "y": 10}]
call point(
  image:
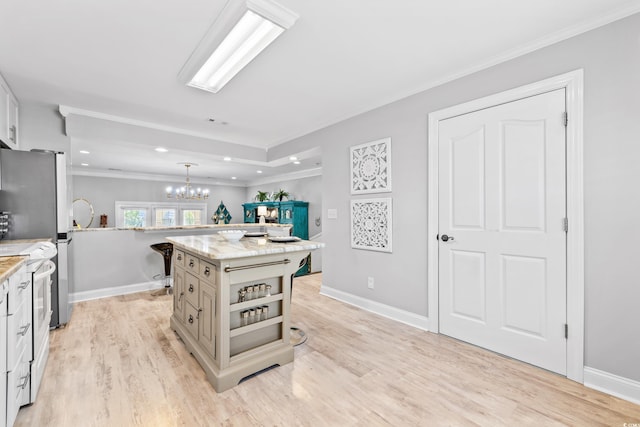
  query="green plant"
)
[
  {"x": 280, "y": 195},
  {"x": 262, "y": 196}
]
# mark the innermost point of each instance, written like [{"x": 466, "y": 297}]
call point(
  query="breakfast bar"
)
[{"x": 231, "y": 301}]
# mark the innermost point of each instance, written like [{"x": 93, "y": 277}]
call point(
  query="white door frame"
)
[{"x": 573, "y": 83}]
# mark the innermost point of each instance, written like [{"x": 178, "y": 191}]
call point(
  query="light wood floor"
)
[{"x": 119, "y": 364}]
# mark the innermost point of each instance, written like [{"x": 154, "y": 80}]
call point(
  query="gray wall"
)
[
  {"x": 305, "y": 189},
  {"x": 103, "y": 192},
  {"x": 610, "y": 57}
]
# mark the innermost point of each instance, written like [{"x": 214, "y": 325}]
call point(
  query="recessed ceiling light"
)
[
  {"x": 297, "y": 162},
  {"x": 259, "y": 171},
  {"x": 161, "y": 150},
  {"x": 292, "y": 158},
  {"x": 233, "y": 177},
  {"x": 227, "y": 159},
  {"x": 84, "y": 152},
  {"x": 84, "y": 164}
]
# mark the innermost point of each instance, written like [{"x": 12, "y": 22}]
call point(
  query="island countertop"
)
[{"x": 216, "y": 247}]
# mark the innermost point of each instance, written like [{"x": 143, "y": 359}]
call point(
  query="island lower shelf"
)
[{"x": 211, "y": 316}]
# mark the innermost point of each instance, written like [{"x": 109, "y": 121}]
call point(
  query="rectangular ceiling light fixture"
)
[{"x": 243, "y": 30}]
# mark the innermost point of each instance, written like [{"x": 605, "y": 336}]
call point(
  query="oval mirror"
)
[{"x": 82, "y": 213}]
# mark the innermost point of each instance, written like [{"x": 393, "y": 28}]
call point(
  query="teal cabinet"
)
[{"x": 292, "y": 212}]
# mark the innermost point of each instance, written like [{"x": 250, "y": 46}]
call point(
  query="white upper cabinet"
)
[{"x": 8, "y": 116}]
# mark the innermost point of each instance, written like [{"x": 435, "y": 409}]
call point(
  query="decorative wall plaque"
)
[
  {"x": 371, "y": 224},
  {"x": 221, "y": 215},
  {"x": 371, "y": 167}
]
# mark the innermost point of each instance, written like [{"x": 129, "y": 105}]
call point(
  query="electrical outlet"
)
[{"x": 370, "y": 283}]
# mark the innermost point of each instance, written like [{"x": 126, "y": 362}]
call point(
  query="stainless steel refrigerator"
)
[{"x": 33, "y": 190}]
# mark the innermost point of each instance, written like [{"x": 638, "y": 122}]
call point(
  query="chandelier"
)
[{"x": 186, "y": 192}]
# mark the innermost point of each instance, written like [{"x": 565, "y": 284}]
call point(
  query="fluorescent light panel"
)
[{"x": 260, "y": 24}]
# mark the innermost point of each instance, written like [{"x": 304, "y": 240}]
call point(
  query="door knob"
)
[{"x": 446, "y": 238}]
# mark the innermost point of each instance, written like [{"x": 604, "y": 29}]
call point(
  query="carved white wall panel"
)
[
  {"x": 371, "y": 167},
  {"x": 371, "y": 224}
]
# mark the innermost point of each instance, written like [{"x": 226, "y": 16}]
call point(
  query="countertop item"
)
[
  {"x": 232, "y": 235},
  {"x": 216, "y": 247}
]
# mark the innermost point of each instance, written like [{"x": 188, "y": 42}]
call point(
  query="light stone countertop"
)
[
  {"x": 10, "y": 265},
  {"x": 216, "y": 247}
]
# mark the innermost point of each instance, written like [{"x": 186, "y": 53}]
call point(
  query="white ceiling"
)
[{"x": 113, "y": 65}]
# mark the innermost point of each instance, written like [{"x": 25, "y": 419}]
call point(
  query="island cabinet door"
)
[
  {"x": 192, "y": 286},
  {"x": 207, "y": 318},
  {"x": 179, "y": 296}
]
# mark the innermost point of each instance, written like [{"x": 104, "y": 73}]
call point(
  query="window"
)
[
  {"x": 166, "y": 216},
  {"x": 191, "y": 216},
  {"x": 159, "y": 214},
  {"x": 135, "y": 217}
]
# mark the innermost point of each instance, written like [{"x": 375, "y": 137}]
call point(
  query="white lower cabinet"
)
[
  {"x": 4, "y": 288},
  {"x": 19, "y": 346}
]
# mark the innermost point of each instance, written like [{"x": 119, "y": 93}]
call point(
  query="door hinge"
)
[
  {"x": 566, "y": 330},
  {"x": 565, "y": 224},
  {"x": 565, "y": 118}
]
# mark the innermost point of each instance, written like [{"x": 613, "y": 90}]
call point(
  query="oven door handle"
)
[{"x": 51, "y": 267}]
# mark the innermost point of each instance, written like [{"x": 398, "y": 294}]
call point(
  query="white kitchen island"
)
[{"x": 231, "y": 330}]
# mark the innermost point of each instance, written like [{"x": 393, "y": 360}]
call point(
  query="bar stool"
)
[
  {"x": 166, "y": 250},
  {"x": 297, "y": 335}
]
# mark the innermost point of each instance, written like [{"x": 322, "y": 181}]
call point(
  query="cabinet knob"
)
[
  {"x": 190, "y": 319},
  {"x": 179, "y": 257},
  {"x": 207, "y": 271},
  {"x": 191, "y": 288},
  {"x": 191, "y": 263}
]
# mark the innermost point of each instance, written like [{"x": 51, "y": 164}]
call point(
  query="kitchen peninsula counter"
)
[
  {"x": 231, "y": 334},
  {"x": 205, "y": 227}
]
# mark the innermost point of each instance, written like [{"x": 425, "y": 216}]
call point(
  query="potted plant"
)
[
  {"x": 279, "y": 195},
  {"x": 262, "y": 196}
]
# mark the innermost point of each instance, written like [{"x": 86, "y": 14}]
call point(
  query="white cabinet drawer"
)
[
  {"x": 19, "y": 336},
  {"x": 192, "y": 263},
  {"x": 208, "y": 272},
  {"x": 19, "y": 290},
  {"x": 179, "y": 257},
  {"x": 18, "y": 388}
]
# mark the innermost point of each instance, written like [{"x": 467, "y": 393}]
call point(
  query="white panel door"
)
[{"x": 502, "y": 249}]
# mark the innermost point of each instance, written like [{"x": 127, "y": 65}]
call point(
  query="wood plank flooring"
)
[{"x": 118, "y": 363}]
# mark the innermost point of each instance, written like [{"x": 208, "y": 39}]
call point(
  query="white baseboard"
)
[
  {"x": 614, "y": 385},
  {"x": 115, "y": 291},
  {"x": 411, "y": 319}
]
